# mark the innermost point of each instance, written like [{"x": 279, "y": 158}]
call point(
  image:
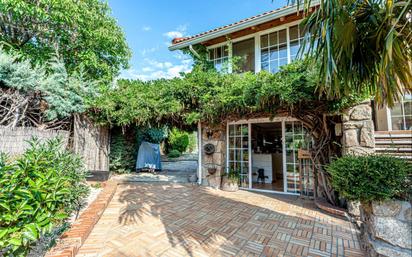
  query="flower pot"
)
[{"x": 229, "y": 185}]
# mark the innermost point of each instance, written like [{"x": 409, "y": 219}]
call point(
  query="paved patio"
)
[{"x": 152, "y": 219}]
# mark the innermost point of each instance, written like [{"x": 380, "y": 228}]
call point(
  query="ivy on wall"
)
[{"x": 204, "y": 94}]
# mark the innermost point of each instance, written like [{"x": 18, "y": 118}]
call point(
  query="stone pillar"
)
[
  {"x": 217, "y": 137},
  {"x": 387, "y": 228},
  {"x": 358, "y": 139},
  {"x": 358, "y": 130}
]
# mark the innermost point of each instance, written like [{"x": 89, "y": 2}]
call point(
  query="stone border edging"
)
[
  {"x": 327, "y": 207},
  {"x": 70, "y": 242}
]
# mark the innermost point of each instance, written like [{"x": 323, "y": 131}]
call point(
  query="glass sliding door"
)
[
  {"x": 295, "y": 139},
  {"x": 238, "y": 152}
]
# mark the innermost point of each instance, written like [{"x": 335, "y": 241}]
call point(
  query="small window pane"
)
[
  {"x": 232, "y": 130},
  {"x": 265, "y": 66},
  {"x": 231, "y": 155},
  {"x": 282, "y": 36},
  {"x": 283, "y": 51},
  {"x": 218, "y": 65},
  {"x": 245, "y": 156},
  {"x": 238, "y": 142},
  {"x": 245, "y": 142},
  {"x": 265, "y": 55},
  {"x": 245, "y": 130},
  {"x": 264, "y": 41},
  {"x": 294, "y": 32},
  {"x": 408, "y": 108},
  {"x": 238, "y": 155},
  {"x": 397, "y": 109},
  {"x": 231, "y": 142},
  {"x": 239, "y": 130},
  {"x": 274, "y": 54},
  {"x": 232, "y": 166},
  {"x": 294, "y": 49},
  {"x": 218, "y": 52},
  {"x": 273, "y": 38},
  {"x": 225, "y": 51},
  {"x": 397, "y": 123},
  {"x": 290, "y": 156}
]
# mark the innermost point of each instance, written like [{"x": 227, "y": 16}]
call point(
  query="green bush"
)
[
  {"x": 151, "y": 135},
  {"x": 370, "y": 178},
  {"x": 122, "y": 154},
  {"x": 154, "y": 135},
  {"x": 192, "y": 142},
  {"x": 174, "y": 153},
  {"x": 178, "y": 140},
  {"x": 38, "y": 191}
]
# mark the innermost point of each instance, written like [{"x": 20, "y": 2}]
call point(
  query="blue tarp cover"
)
[{"x": 148, "y": 156}]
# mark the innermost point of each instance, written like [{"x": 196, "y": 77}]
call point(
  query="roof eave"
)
[{"x": 223, "y": 32}]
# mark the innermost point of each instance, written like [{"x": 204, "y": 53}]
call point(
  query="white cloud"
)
[
  {"x": 146, "y": 28},
  {"x": 180, "y": 31},
  {"x": 157, "y": 70},
  {"x": 146, "y": 51},
  {"x": 147, "y": 69},
  {"x": 173, "y": 34}
]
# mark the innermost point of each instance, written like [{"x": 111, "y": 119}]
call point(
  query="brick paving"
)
[{"x": 152, "y": 219}]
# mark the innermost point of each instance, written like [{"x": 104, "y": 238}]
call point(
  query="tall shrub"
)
[
  {"x": 122, "y": 154},
  {"x": 38, "y": 191},
  {"x": 178, "y": 140},
  {"x": 371, "y": 178}
]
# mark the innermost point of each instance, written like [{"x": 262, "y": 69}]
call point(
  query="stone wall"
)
[
  {"x": 358, "y": 130},
  {"x": 387, "y": 228},
  {"x": 217, "y": 137}
]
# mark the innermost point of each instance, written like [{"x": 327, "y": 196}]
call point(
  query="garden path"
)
[{"x": 154, "y": 219}]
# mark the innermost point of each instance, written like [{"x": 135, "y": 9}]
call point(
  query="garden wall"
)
[
  {"x": 387, "y": 228},
  {"x": 92, "y": 143},
  {"x": 13, "y": 141}
]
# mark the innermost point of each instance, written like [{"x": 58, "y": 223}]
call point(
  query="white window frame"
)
[
  {"x": 257, "y": 36},
  {"x": 389, "y": 115},
  {"x": 249, "y": 122},
  {"x": 222, "y": 58}
]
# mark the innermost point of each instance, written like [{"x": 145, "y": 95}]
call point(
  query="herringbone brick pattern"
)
[{"x": 181, "y": 220}]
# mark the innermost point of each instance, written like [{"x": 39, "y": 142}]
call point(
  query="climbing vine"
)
[{"x": 205, "y": 95}]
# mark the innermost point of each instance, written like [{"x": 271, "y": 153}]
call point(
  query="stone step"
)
[
  {"x": 164, "y": 176},
  {"x": 180, "y": 166}
]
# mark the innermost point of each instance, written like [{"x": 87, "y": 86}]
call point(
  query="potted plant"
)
[{"x": 230, "y": 181}]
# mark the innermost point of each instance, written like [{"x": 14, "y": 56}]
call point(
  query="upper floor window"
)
[
  {"x": 244, "y": 53},
  {"x": 219, "y": 56},
  {"x": 277, "y": 50},
  {"x": 274, "y": 50},
  {"x": 401, "y": 114},
  {"x": 296, "y": 39}
]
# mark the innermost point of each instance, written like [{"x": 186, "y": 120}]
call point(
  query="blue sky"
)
[{"x": 150, "y": 25}]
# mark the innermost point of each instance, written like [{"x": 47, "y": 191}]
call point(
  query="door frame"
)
[{"x": 249, "y": 122}]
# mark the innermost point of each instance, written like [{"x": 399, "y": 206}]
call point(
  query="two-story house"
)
[{"x": 262, "y": 149}]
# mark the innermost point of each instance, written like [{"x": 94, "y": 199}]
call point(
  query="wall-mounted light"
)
[{"x": 209, "y": 133}]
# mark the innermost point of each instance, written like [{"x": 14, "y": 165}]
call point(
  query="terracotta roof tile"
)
[{"x": 182, "y": 39}]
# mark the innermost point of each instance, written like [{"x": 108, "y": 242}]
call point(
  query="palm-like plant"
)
[{"x": 362, "y": 46}]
